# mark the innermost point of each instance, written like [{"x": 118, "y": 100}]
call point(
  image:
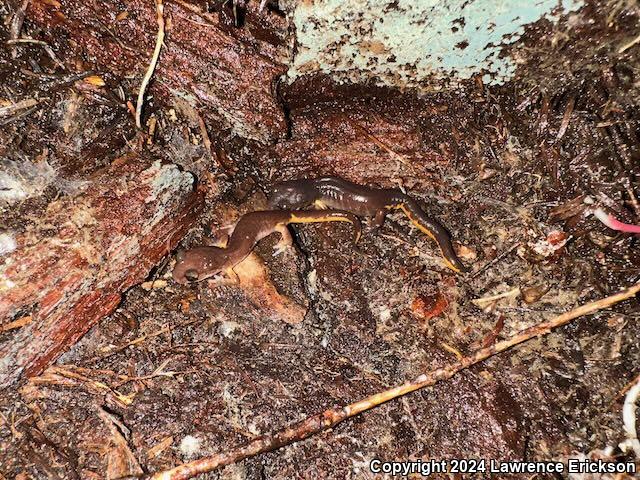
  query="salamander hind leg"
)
[{"x": 286, "y": 241}]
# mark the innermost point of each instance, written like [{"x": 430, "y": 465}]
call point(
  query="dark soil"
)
[{"x": 504, "y": 168}]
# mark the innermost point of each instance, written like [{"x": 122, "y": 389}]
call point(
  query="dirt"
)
[{"x": 504, "y": 168}]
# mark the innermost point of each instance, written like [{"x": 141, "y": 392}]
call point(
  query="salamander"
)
[
  {"x": 335, "y": 192},
  {"x": 203, "y": 262}
]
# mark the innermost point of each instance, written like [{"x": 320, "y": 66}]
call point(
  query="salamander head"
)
[
  {"x": 292, "y": 194},
  {"x": 199, "y": 263}
]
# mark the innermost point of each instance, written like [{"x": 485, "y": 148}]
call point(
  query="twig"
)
[
  {"x": 496, "y": 260},
  {"x": 331, "y": 417},
  {"x": 566, "y": 118},
  {"x": 485, "y": 301},
  {"x": 154, "y": 61},
  {"x": 47, "y": 48},
  {"x": 543, "y": 116},
  {"x": 627, "y": 46},
  {"x": 66, "y": 376},
  {"x": 10, "y": 110},
  {"x": 624, "y": 390},
  {"x": 16, "y": 24},
  {"x": 197, "y": 11},
  {"x": 158, "y": 372},
  {"x": 104, "y": 28},
  {"x": 206, "y": 140},
  {"x": 401, "y": 158},
  {"x": 15, "y": 118},
  {"x": 136, "y": 341}
]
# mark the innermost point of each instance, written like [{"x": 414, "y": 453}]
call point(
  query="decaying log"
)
[
  {"x": 380, "y": 143},
  {"x": 70, "y": 269},
  {"x": 229, "y": 72}
]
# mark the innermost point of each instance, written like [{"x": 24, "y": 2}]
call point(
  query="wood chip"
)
[
  {"x": 20, "y": 322},
  {"x": 154, "y": 285},
  {"x": 160, "y": 447},
  {"x": 95, "y": 80}
]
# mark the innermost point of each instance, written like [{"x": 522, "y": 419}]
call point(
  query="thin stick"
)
[
  {"x": 331, "y": 417},
  {"x": 138, "y": 340},
  {"x": 496, "y": 260},
  {"x": 15, "y": 107},
  {"x": 566, "y": 118},
  {"x": 16, "y": 25},
  {"x": 154, "y": 61},
  {"x": 47, "y": 48},
  {"x": 627, "y": 46}
]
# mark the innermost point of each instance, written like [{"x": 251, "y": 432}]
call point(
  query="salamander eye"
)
[{"x": 191, "y": 275}]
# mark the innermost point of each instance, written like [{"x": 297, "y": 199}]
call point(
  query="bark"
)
[
  {"x": 230, "y": 72},
  {"x": 71, "y": 268}
]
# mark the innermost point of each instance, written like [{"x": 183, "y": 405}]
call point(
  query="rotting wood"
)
[
  {"x": 331, "y": 417},
  {"x": 230, "y": 76},
  {"x": 70, "y": 271}
]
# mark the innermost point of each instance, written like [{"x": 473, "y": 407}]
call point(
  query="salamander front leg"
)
[
  {"x": 221, "y": 238},
  {"x": 378, "y": 221},
  {"x": 219, "y": 241},
  {"x": 286, "y": 241},
  {"x": 229, "y": 277}
]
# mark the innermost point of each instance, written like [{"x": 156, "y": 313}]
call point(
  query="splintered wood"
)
[
  {"x": 228, "y": 74},
  {"x": 70, "y": 269}
]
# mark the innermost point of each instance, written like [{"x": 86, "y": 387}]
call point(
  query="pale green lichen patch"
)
[
  {"x": 406, "y": 43},
  {"x": 168, "y": 182}
]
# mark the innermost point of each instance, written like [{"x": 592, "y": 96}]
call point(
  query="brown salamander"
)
[
  {"x": 203, "y": 262},
  {"x": 335, "y": 192}
]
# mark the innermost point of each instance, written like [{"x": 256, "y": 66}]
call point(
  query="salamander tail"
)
[{"x": 434, "y": 230}]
